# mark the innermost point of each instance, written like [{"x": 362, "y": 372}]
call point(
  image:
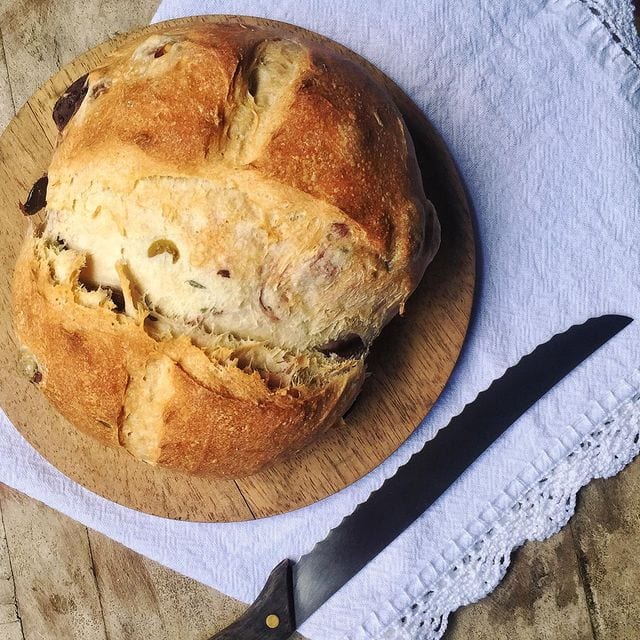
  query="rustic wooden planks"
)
[
  {"x": 75, "y": 583},
  {"x": 41, "y": 36},
  {"x": 7, "y": 110},
  {"x": 10, "y": 624},
  {"x": 606, "y": 530},
  {"x": 52, "y": 568},
  {"x": 141, "y": 599},
  {"x": 540, "y": 598}
]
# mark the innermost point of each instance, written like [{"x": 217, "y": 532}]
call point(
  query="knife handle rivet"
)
[{"x": 272, "y": 621}]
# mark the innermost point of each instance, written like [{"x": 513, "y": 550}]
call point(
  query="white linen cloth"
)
[{"x": 538, "y": 103}]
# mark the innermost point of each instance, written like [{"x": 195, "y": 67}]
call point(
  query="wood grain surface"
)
[
  {"x": 408, "y": 365},
  {"x": 580, "y": 584}
]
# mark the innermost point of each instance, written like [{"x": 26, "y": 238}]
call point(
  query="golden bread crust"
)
[{"x": 255, "y": 200}]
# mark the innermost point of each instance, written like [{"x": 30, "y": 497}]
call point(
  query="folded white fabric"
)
[{"x": 538, "y": 103}]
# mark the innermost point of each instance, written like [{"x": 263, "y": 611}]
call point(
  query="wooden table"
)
[{"x": 62, "y": 581}]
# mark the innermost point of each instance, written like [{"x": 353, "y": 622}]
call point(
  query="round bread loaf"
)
[{"x": 232, "y": 216}]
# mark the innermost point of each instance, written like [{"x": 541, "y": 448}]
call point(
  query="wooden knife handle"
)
[{"x": 271, "y": 616}]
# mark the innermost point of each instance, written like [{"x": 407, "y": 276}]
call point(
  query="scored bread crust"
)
[{"x": 288, "y": 181}]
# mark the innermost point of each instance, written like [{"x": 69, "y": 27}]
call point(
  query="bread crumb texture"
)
[{"x": 232, "y": 217}]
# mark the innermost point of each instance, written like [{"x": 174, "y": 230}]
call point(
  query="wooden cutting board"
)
[{"x": 409, "y": 364}]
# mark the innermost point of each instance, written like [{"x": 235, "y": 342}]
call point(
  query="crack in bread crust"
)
[
  {"x": 202, "y": 417},
  {"x": 121, "y": 413},
  {"x": 299, "y": 256}
]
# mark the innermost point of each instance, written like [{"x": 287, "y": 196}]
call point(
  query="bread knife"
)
[{"x": 295, "y": 590}]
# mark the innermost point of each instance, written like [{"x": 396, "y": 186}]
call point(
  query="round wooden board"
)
[{"x": 409, "y": 364}]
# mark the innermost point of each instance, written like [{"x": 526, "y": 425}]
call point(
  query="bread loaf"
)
[{"x": 232, "y": 216}]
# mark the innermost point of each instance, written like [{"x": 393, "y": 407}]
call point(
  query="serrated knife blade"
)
[{"x": 294, "y": 591}]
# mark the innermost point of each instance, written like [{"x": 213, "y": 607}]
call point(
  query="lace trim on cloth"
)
[
  {"x": 607, "y": 28},
  {"x": 617, "y": 17}
]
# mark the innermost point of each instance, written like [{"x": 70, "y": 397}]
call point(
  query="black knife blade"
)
[{"x": 296, "y": 590}]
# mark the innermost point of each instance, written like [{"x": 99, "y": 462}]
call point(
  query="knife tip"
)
[
  {"x": 612, "y": 322},
  {"x": 623, "y": 321}
]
